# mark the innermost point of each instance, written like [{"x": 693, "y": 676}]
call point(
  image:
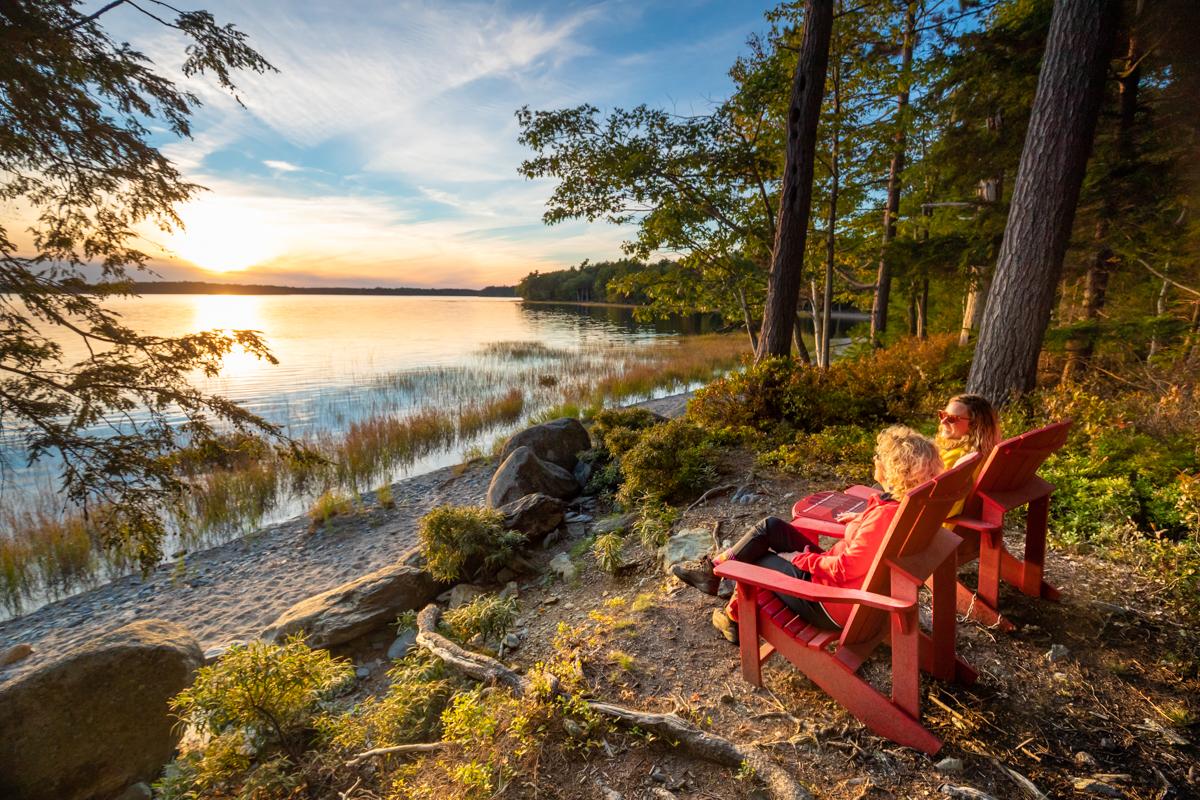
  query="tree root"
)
[
  {"x": 424, "y": 747},
  {"x": 686, "y": 736}
]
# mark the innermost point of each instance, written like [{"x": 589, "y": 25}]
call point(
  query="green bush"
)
[
  {"x": 459, "y": 539},
  {"x": 420, "y": 688},
  {"x": 671, "y": 462},
  {"x": 258, "y": 702},
  {"x": 840, "y": 453},
  {"x": 607, "y": 551},
  {"x": 654, "y": 522},
  {"x": 490, "y": 615},
  {"x": 618, "y": 429}
]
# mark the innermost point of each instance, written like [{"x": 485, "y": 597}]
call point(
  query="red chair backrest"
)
[
  {"x": 1014, "y": 462},
  {"x": 921, "y": 515}
]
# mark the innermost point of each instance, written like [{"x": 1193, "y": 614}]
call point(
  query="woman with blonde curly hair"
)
[{"x": 904, "y": 459}]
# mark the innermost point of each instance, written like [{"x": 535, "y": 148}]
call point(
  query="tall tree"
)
[
  {"x": 1053, "y": 161},
  {"x": 791, "y": 232},
  {"x": 75, "y": 116}
]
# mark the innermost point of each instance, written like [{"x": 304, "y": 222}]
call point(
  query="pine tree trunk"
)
[
  {"x": 1053, "y": 160},
  {"x": 741, "y": 296},
  {"x": 975, "y": 303},
  {"x": 883, "y": 278},
  {"x": 808, "y": 88}
]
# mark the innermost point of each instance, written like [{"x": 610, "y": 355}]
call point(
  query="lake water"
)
[{"x": 343, "y": 358}]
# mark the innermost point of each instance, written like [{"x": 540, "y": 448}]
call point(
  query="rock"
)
[
  {"x": 576, "y": 529},
  {"x": 534, "y": 515},
  {"x": 511, "y": 589},
  {"x": 1085, "y": 759},
  {"x": 522, "y": 473},
  {"x": 362, "y": 673},
  {"x": 1057, "y": 652},
  {"x": 618, "y": 522},
  {"x": 356, "y": 608},
  {"x": 15, "y": 653},
  {"x": 726, "y": 588},
  {"x": 464, "y": 593},
  {"x": 563, "y": 566},
  {"x": 403, "y": 644},
  {"x": 658, "y": 774},
  {"x": 576, "y": 516},
  {"x": 582, "y": 472},
  {"x": 90, "y": 721},
  {"x": 964, "y": 792},
  {"x": 610, "y": 794},
  {"x": 949, "y": 766},
  {"x": 552, "y": 538},
  {"x": 512, "y": 641},
  {"x": 573, "y": 728},
  {"x": 216, "y": 651},
  {"x": 559, "y": 441},
  {"x": 138, "y": 791},
  {"x": 1093, "y": 786},
  {"x": 686, "y": 545},
  {"x": 659, "y": 793}
]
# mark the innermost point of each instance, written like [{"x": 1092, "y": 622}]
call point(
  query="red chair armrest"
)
[
  {"x": 865, "y": 492},
  {"x": 972, "y": 524},
  {"x": 812, "y": 528},
  {"x": 765, "y": 578}
]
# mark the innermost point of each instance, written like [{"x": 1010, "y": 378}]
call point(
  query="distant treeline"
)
[
  {"x": 202, "y": 287},
  {"x": 588, "y": 283}
]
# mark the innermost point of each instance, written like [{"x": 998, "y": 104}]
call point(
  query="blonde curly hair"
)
[{"x": 907, "y": 459}]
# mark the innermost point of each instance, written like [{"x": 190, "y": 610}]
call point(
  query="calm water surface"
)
[{"x": 343, "y": 358}]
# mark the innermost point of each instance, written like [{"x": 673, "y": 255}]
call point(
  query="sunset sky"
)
[{"x": 384, "y": 152}]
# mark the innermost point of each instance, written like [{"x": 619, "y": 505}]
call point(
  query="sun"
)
[{"x": 224, "y": 237}]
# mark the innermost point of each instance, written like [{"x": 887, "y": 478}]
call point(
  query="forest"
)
[{"x": 924, "y": 116}]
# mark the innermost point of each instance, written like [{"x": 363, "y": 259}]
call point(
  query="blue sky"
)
[{"x": 384, "y": 152}]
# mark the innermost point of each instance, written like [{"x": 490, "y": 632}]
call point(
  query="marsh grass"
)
[{"x": 239, "y": 483}]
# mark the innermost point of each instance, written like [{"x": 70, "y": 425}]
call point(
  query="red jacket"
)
[{"x": 845, "y": 565}]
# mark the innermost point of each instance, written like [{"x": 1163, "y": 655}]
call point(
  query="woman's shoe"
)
[
  {"x": 699, "y": 574},
  {"x": 727, "y": 627}
]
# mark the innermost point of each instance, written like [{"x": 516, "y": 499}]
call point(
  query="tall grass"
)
[{"x": 238, "y": 483}]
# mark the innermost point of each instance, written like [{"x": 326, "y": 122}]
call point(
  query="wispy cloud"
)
[{"x": 282, "y": 166}]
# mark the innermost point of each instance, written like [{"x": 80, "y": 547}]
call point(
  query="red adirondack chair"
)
[
  {"x": 1008, "y": 481},
  {"x": 915, "y": 549}
]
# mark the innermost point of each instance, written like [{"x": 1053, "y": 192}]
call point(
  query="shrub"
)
[
  {"x": 420, "y": 687},
  {"x": 654, "y": 523},
  {"x": 840, "y": 453},
  {"x": 616, "y": 429},
  {"x": 671, "y": 462},
  {"x": 459, "y": 539},
  {"x": 490, "y": 615},
  {"x": 607, "y": 551},
  {"x": 259, "y": 702},
  {"x": 329, "y": 505}
]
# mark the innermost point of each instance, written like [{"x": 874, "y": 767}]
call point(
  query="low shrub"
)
[
  {"x": 258, "y": 703},
  {"x": 839, "y": 454},
  {"x": 329, "y": 505},
  {"x": 607, "y": 551},
  {"x": 489, "y": 615},
  {"x": 653, "y": 525},
  {"x": 671, "y": 462},
  {"x": 460, "y": 539}
]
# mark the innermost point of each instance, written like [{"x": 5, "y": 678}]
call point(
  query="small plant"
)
[
  {"x": 643, "y": 603},
  {"x": 384, "y": 496},
  {"x": 653, "y": 526},
  {"x": 624, "y": 661},
  {"x": 490, "y": 616},
  {"x": 329, "y": 505},
  {"x": 607, "y": 551},
  {"x": 259, "y": 702},
  {"x": 460, "y": 539}
]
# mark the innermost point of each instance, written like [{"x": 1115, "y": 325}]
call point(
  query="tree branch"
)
[{"x": 1174, "y": 283}]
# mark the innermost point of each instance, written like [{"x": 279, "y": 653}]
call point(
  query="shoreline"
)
[{"x": 231, "y": 592}]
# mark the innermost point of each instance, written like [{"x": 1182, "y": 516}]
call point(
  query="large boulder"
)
[
  {"x": 685, "y": 545},
  {"x": 522, "y": 473},
  {"x": 354, "y": 609},
  {"x": 559, "y": 441},
  {"x": 534, "y": 515},
  {"x": 93, "y": 720}
]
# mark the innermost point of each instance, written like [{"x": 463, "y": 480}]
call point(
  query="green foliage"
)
[
  {"x": 839, "y": 453},
  {"x": 490, "y": 615},
  {"x": 258, "y": 702},
  {"x": 457, "y": 539},
  {"x": 420, "y": 688},
  {"x": 654, "y": 522},
  {"x": 670, "y": 462},
  {"x": 329, "y": 505},
  {"x": 617, "y": 429},
  {"x": 607, "y": 551}
]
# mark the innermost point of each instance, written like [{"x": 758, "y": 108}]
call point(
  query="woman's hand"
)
[{"x": 846, "y": 517}]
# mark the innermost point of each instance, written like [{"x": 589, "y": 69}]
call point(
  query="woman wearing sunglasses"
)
[{"x": 967, "y": 425}]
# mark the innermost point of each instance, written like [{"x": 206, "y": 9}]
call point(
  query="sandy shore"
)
[{"x": 232, "y": 592}]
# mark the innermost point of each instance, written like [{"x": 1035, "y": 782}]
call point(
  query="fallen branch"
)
[
  {"x": 424, "y": 747},
  {"x": 683, "y": 734},
  {"x": 708, "y": 494}
]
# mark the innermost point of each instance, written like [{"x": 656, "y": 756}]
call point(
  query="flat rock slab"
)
[
  {"x": 534, "y": 515},
  {"x": 354, "y": 609},
  {"x": 93, "y": 720},
  {"x": 686, "y": 545}
]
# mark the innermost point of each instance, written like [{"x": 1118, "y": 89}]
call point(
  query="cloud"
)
[{"x": 281, "y": 166}]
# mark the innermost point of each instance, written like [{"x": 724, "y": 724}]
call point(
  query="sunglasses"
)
[{"x": 950, "y": 419}]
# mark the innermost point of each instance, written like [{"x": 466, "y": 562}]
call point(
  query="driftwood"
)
[
  {"x": 424, "y": 747},
  {"x": 710, "y": 493},
  {"x": 686, "y": 736}
]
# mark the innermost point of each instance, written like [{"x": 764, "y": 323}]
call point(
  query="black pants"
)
[{"x": 761, "y": 545}]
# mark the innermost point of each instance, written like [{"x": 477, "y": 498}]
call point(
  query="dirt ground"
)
[{"x": 1112, "y": 715}]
